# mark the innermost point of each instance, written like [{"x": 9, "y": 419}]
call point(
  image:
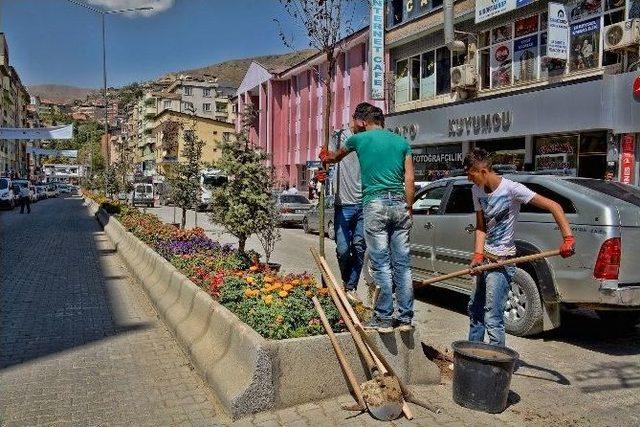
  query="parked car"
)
[
  {"x": 602, "y": 275},
  {"x": 143, "y": 194},
  {"x": 7, "y": 196},
  {"x": 292, "y": 208},
  {"x": 41, "y": 193},
  {"x": 22, "y": 183},
  {"x": 52, "y": 190},
  {"x": 311, "y": 220},
  {"x": 63, "y": 189}
]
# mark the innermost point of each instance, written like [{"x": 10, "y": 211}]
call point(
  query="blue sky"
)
[{"x": 54, "y": 41}]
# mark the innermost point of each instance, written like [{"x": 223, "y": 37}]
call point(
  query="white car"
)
[
  {"x": 64, "y": 188},
  {"x": 7, "y": 197}
]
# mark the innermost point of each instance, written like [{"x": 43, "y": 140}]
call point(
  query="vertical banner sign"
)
[
  {"x": 627, "y": 159},
  {"x": 558, "y": 39},
  {"x": 376, "y": 50}
]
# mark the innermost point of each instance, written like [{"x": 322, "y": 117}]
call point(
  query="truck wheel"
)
[
  {"x": 620, "y": 318},
  {"x": 523, "y": 311}
]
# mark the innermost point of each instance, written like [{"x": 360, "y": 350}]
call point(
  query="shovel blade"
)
[
  {"x": 383, "y": 398},
  {"x": 387, "y": 412}
]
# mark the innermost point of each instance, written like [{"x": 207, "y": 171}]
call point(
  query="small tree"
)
[
  {"x": 270, "y": 234},
  {"x": 111, "y": 184},
  {"x": 244, "y": 205},
  {"x": 185, "y": 177},
  {"x": 326, "y": 23}
]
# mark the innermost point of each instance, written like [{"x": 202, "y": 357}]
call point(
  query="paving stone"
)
[{"x": 80, "y": 343}]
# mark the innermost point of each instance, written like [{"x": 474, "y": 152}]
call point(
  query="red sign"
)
[
  {"x": 636, "y": 88},
  {"x": 627, "y": 159}
]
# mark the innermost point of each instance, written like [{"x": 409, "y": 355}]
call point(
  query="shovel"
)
[
  {"x": 383, "y": 393},
  {"x": 489, "y": 266}
]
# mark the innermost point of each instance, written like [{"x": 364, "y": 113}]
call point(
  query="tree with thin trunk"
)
[
  {"x": 326, "y": 24},
  {"x": 184, "y": 176}
]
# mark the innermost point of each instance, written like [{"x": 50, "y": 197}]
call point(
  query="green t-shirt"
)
[{"x": 381, "y": 154}]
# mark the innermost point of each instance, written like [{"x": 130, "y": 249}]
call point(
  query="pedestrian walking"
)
[
  {"x": 497, "y": 203},
  {"x": 386, "y": 168},
  {"x": 23, "y": 191},
  {"x": 348, "y": 217}
]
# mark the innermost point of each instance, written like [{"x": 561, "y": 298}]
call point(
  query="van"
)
[{"x": 143, "y": 195}]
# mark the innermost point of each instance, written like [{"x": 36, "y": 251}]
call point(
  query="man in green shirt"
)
[{"x": 386, "y": 168}]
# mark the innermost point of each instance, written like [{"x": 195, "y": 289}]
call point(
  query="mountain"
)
[
  {"x": 59, "y": 93},
  {"x": 232, "y": 72}
]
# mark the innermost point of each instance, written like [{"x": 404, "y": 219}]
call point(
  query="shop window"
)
[
  {"x": 556, "y": 154},
  {"x": 501, "y": 56},
  {"x": 415, "y": 78},
  {"x": 394, "y": 15},
  {"x": 507, "y": 154},
  {"x": 526, "y": 26},
  {"x": 402, "y": 81},
  {"x": 484, "y": 39},
  {"x": 428, "y": 76},
  {"x": 593, "y": 143},
  {"x": 443, "y": 70},
  {"x": 501, "y": 34},
  {"x": 460, "y": 200},
  {"x": 485, "y": 69}
]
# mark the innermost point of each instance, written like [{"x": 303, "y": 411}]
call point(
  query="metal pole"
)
[{"x": 104, "y": 87}]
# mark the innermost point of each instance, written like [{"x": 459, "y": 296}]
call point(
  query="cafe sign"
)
[
  {"x": 498, "y": 122},
  {"x": 376, "y": 50}
]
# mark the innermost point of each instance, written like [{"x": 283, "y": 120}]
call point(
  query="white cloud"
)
[{"x": 157, "y": 5}]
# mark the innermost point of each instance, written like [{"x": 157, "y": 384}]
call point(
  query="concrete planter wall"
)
[{"x": 247, "y": 372}]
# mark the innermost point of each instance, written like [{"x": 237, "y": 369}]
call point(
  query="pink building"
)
[{"x": 289, "y": 104}]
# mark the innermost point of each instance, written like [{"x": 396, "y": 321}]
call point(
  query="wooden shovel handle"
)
[
  {"x": 490, "y": 266},
  {"x": 340, "y": 354}
]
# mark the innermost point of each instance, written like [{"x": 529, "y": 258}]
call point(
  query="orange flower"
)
[
  {"x": 283, "y": 294},
  {"x": 279, "y": 319},
  {"x": 287, "y": 287},
  {"x": 295, "y": 282},
  {"x": 268, "y": 299},
  {"x": 323, "y": 291},
  {"x": 309, "y": 294},
  {"x": 248, "y": 293},
  {"x": 253, "y": 268},
  {"x": 268, "y": 279}
]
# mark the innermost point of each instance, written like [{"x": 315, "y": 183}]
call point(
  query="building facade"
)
[
  {"x": 289, "y": 107},
  {"x": 503, "y": 92}
]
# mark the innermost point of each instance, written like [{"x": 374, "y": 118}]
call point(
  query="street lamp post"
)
[{"x": 103, "y": 13}]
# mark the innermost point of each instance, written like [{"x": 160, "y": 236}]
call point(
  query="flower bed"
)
[{"x": 276, "y": 306}]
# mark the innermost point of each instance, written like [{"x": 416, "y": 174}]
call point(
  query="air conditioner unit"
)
[
  {"x": 622, "y": 35},
  {"x": 463, "y": 77}
]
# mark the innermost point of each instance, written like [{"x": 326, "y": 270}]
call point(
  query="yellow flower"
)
[
  {"x": 268, "y": 299},
  {"x": 309, "y": 294},
  {"x": 283, "y": 294},
  {"x": 248, "y": 293},
  {"x": 295, "y": 282},
  {"x": 287, "y": 287},
  {"x": 268, "y": 279},
  {"x": 253, "y": 268},
  {"x": 279, "y": 319},
  {"x": 250, "y": 280}
]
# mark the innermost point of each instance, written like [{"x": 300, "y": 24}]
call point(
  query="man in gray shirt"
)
[{"x": 348, "y": 218}]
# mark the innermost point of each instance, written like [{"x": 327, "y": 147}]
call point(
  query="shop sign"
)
[
  {"x": 376, "y": 50},
  {"x": 481, "y": 124},
  {"x": 436, "y": 161},
  {"x": 627, "y": 159},
  {"x": 486, "y": 9},
  {"x": 558, "y": 32}
]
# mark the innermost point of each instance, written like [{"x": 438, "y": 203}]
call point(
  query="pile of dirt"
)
[{"x": 383, "y": 389}]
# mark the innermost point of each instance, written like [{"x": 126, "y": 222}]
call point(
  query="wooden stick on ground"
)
[{"x": 355, "y": 386}]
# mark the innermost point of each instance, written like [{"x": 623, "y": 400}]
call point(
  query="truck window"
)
[
  {"x": 460, "y": 200},
  {"x": 618, "y": 190},
  {"x": 567, "y": 205}
]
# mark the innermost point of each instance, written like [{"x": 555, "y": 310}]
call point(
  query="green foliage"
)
[
  {"x": 111, "y": 184},
  {"x": 244, "y": 206},
  {"x": 130, "y": 93},
  {"x": 185, "y": 176}
]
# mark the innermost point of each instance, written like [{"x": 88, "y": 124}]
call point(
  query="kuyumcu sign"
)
[
  {"x": 376, "y": 50},
  {"x": 480, "y": 124}
]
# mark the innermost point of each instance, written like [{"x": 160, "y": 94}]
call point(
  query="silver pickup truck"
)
[{"x": 603, "y": 275}]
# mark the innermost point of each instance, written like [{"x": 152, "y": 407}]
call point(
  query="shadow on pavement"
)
[
  {"x": 609, "y": 376},
  {"x": 54, "y": 292}
]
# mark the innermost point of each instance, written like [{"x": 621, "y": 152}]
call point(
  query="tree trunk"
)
[
  {"x": 327, "y": 133},
  {"x": 242, "y": 241},
  {"x": 183, "y": 222}
]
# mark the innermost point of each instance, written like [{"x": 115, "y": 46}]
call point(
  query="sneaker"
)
[
  {"x": 384, "y": 327},
  {"x": 352, "y": 296},
  {"x": 404, "y": 327}
]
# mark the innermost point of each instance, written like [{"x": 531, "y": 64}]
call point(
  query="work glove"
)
[
  {"x": 476, "y": 260},
  {"x": 324, "y": 154},
  {"x": 568, "y": 247},
  {"x": 321, "y": 175}
]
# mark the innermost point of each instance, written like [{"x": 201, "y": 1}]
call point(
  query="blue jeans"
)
[
  {"x": 350, "y": 245},
  {"x": 386, "y": 230},
  {"x": 486, "y": 307}
]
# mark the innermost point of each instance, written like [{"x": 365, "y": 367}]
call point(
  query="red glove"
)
[
  {"x": 324, "y": 154},
  {"x": 476, "y": 260},
  {"x": 321, "y": 175},
  {"x": 568, "y": 247}
]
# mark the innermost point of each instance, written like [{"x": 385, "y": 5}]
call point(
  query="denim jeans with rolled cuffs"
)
[
  {"x": 386, "y": 229},
  {"x": 350, "y": 244},
  {"x": 487, "y": 304}
]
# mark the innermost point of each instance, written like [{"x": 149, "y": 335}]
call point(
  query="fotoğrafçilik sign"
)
[
  {"x": 376, "y": 50},
  {"x": 558, "y": 39}
]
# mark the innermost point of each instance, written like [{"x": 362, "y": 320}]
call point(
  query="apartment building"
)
[
  {"x": 13, "y": 113},
  {"x": 289, "y": 102},
  {"x": 496, "y": 79},
  {"x": 201, "y": 97}
]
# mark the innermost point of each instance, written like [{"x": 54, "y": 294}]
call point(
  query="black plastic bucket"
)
[{"x": 482, "y": 375}]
